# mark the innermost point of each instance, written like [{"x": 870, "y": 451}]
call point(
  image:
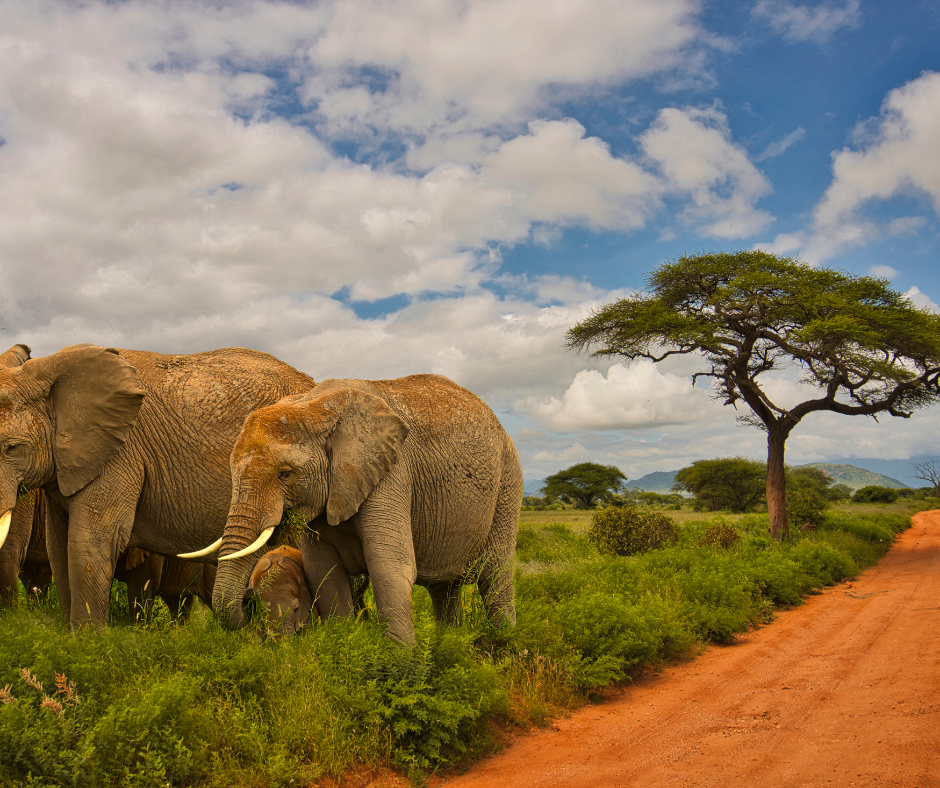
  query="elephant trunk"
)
[{"x": 231, "y": 580}]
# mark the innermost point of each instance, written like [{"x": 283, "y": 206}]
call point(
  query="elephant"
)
[
  {"x": 412, "y": 480},
  {"x": 131, "y": 449},
  {"x": 175, "y": 581},
  {"x": 279, "y": 579},
  {"x": 23, "y": 533}
]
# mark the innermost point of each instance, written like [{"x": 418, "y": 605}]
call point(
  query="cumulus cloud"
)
[
  {"x": 883, "y": 272},
  {"x": 895, "y": 155},
  {"x": 465, "y": 66},
  {"x": 921, "y": 300},
  {"x": 627, "y": 398},
  {"x": 694, "y": 151},
  {"x": 814, "y": 23}
]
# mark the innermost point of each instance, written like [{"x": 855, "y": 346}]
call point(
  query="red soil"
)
[{"x": 844, "y": 690}]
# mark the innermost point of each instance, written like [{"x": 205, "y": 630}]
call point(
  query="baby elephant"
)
[{"x": 278, "y": 578}]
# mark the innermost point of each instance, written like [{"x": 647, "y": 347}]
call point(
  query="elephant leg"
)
[
  {"x": 496, "y": 570},
  {"x": 100, "y": 521},
  {"x": 358, "y": 585},
  {"x": 57, "y": 546},
  {"x": 446, "y": 598},
  {"x": 327, "y": 578},
  {"x": 141, "y": 571},
  {"x": 388, "y": 549}
]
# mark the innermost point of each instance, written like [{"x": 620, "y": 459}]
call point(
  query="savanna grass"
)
[{"x": 160, "y": 703}]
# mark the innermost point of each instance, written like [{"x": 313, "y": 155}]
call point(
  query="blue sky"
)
[{"x": 373, "y": 189}]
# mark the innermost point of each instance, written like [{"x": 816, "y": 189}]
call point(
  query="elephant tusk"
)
[
  {"x": 257, "y": 544},
  {"x": 5, "y": 525},
  {"x": 205, "y": 550}
]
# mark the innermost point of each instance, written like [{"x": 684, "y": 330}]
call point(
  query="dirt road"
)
[{"x": 842, "y": 691}]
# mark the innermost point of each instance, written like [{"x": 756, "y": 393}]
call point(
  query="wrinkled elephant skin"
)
[
  {"x": 409, "y": 481},
  {"x": 132, "y": 450}
]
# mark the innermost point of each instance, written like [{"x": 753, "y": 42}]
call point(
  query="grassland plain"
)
[{"x": 160, "y": 703}]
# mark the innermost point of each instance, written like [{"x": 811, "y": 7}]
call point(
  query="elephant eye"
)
[
  {"x": 12, "y": 449},
  {"x": 284, "y": 474}
]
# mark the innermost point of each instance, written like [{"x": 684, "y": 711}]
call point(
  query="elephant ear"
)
[
  {"x": 16, "y": 356},
  {"x": 95, "y": 396},
  {"x": 362, "y": 449}
]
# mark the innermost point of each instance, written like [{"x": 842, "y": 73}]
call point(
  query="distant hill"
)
[
  {"x": 854, "y": 477},
  {"x": 657, "y": 482},
  {"x": 902, "y": 470},
  {"x": 532, "y": 487}
]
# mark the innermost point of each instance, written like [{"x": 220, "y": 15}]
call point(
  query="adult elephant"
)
[
  {"x": 410, "y": 481},
  {"x": 132, "y": 450},
  {"x": 22, "y": 529}
]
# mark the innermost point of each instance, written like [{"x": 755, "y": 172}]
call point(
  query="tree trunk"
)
[{"x": 776, "y": 481}]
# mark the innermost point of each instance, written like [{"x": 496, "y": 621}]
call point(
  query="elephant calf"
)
[{"x": 278, "y": 578}]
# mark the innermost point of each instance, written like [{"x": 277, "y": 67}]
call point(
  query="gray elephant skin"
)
[
  {"x": 278, "y": 579},
  {"x": 131, "y": 449},
  {"x": 410, "y": 481},
  {"x": 23, "y": 554}
]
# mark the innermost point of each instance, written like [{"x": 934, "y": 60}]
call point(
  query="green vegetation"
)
[
  {"x": 584, "y": 484},
  {"x": 630, "y": 530},
  {"x": 875, "y": 494},
  {"x": 732, "y": 483},
  {"x": 161, "y": 703},
  {"x": 863, "y": 346}
]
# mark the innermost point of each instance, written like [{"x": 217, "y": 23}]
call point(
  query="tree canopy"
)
[
  {"x": 584, "y": 484},
  {"x": 863, "y": 348},
  {"x": 733, "y": 483}
]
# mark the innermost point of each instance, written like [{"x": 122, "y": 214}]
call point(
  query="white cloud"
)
[
  {"x": 921, "y": 300},
  {"x": 572, "y": 454},
  {"x": 815, "y": 23},
  {"x": 896, "y": 156},
  {"x": 883, "y": 272},
  {"x": 781, "y": 146},
  {"x": 694, "y": 151},
  {"x": 628, "y": 398},
  {"x": 469, "y": 65}
]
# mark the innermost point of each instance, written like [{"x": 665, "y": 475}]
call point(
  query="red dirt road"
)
[{"x": 842, "y": 691}]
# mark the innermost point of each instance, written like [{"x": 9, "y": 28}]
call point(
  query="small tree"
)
[
  {"x": 865, "y": 348},
  {"x": 584, "y": 484},
  {"x": 929, "y": 471},
  {"x": 733, "y": 483}
]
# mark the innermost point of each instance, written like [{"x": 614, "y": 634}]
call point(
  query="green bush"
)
[
  {"x": 719, "y": 534},
  {"x": 874, "y": 493},
  {"x": 628, "y": 530}
]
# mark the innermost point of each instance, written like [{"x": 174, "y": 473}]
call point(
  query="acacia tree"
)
[
  {"x": 863, "y": 348},
  {"x": 929, "y": 471},
  {"x": 584, "y": 483},
  {"x": 733, "y": 483}
]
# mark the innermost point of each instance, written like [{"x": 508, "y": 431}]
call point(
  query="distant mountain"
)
[
  {"x": 854, "y": 477},
  {"x": 532, "y": 487},
  {"x": 657, "y": 482},
  {"x": 902, "y": 470}
]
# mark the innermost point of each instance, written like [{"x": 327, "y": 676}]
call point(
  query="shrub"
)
[
  {"x": 874, "y": 493},
  {"x": 628, "y": 530},
  {"x": 719, "y": 534}
]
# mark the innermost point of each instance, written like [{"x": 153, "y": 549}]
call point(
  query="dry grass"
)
[{"x": 579, "y": 520}]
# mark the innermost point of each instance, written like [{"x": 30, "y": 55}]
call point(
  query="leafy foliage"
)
[
  {"x": 584, "y": 484},
  {"x": 721, "y": 535},
  {"x": 733, "y": 483},
  {"x": 629, "y": 530},
  {"x": 863, "y": 347},
  {"x": 875, "y": 494}
]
